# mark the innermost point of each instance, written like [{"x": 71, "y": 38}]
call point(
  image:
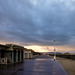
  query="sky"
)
[{"x": 36, "y": 23}]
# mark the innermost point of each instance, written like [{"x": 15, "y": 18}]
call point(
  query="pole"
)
[{"x": 54, "y": 51}]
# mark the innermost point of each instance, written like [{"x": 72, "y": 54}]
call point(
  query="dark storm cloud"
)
[{"x": 37, "y": 21}]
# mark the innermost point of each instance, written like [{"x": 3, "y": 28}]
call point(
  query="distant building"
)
[{"x": 11, "y": 53}]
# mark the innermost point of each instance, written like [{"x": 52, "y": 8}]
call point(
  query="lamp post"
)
[{"x": 54, "y": 50}]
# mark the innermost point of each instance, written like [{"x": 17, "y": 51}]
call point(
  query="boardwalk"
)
[{"x": 41, "y": 65}]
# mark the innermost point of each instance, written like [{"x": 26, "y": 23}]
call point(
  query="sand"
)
[{"x": 68, "y": 65}]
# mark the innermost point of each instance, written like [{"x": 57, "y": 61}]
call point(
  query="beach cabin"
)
[
  {"x": 11, "y": 53},
  {"x": 28, "y": 53}
]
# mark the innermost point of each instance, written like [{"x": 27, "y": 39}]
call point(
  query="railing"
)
[
  {"x": 65, "y": 56},
  {"x": 3, "y": 60}
]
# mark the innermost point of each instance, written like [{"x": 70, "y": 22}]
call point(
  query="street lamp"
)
[{"x": 54, "y": 50}]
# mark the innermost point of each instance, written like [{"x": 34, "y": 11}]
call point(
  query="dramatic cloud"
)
[{"x": 37, "y": 22}]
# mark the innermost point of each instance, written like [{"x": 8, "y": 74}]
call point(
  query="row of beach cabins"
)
[{"x": 11, "y": 53}]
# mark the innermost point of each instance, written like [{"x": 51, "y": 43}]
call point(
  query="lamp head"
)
[{"x": 54, "y": 40}]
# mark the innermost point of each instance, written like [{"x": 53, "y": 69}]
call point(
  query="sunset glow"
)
[
  {"x": 51, "y": 48},
  {"x": 36, "y": 48}
]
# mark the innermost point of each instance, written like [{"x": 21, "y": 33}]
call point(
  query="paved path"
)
[{"x": 41, "y": 65}]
